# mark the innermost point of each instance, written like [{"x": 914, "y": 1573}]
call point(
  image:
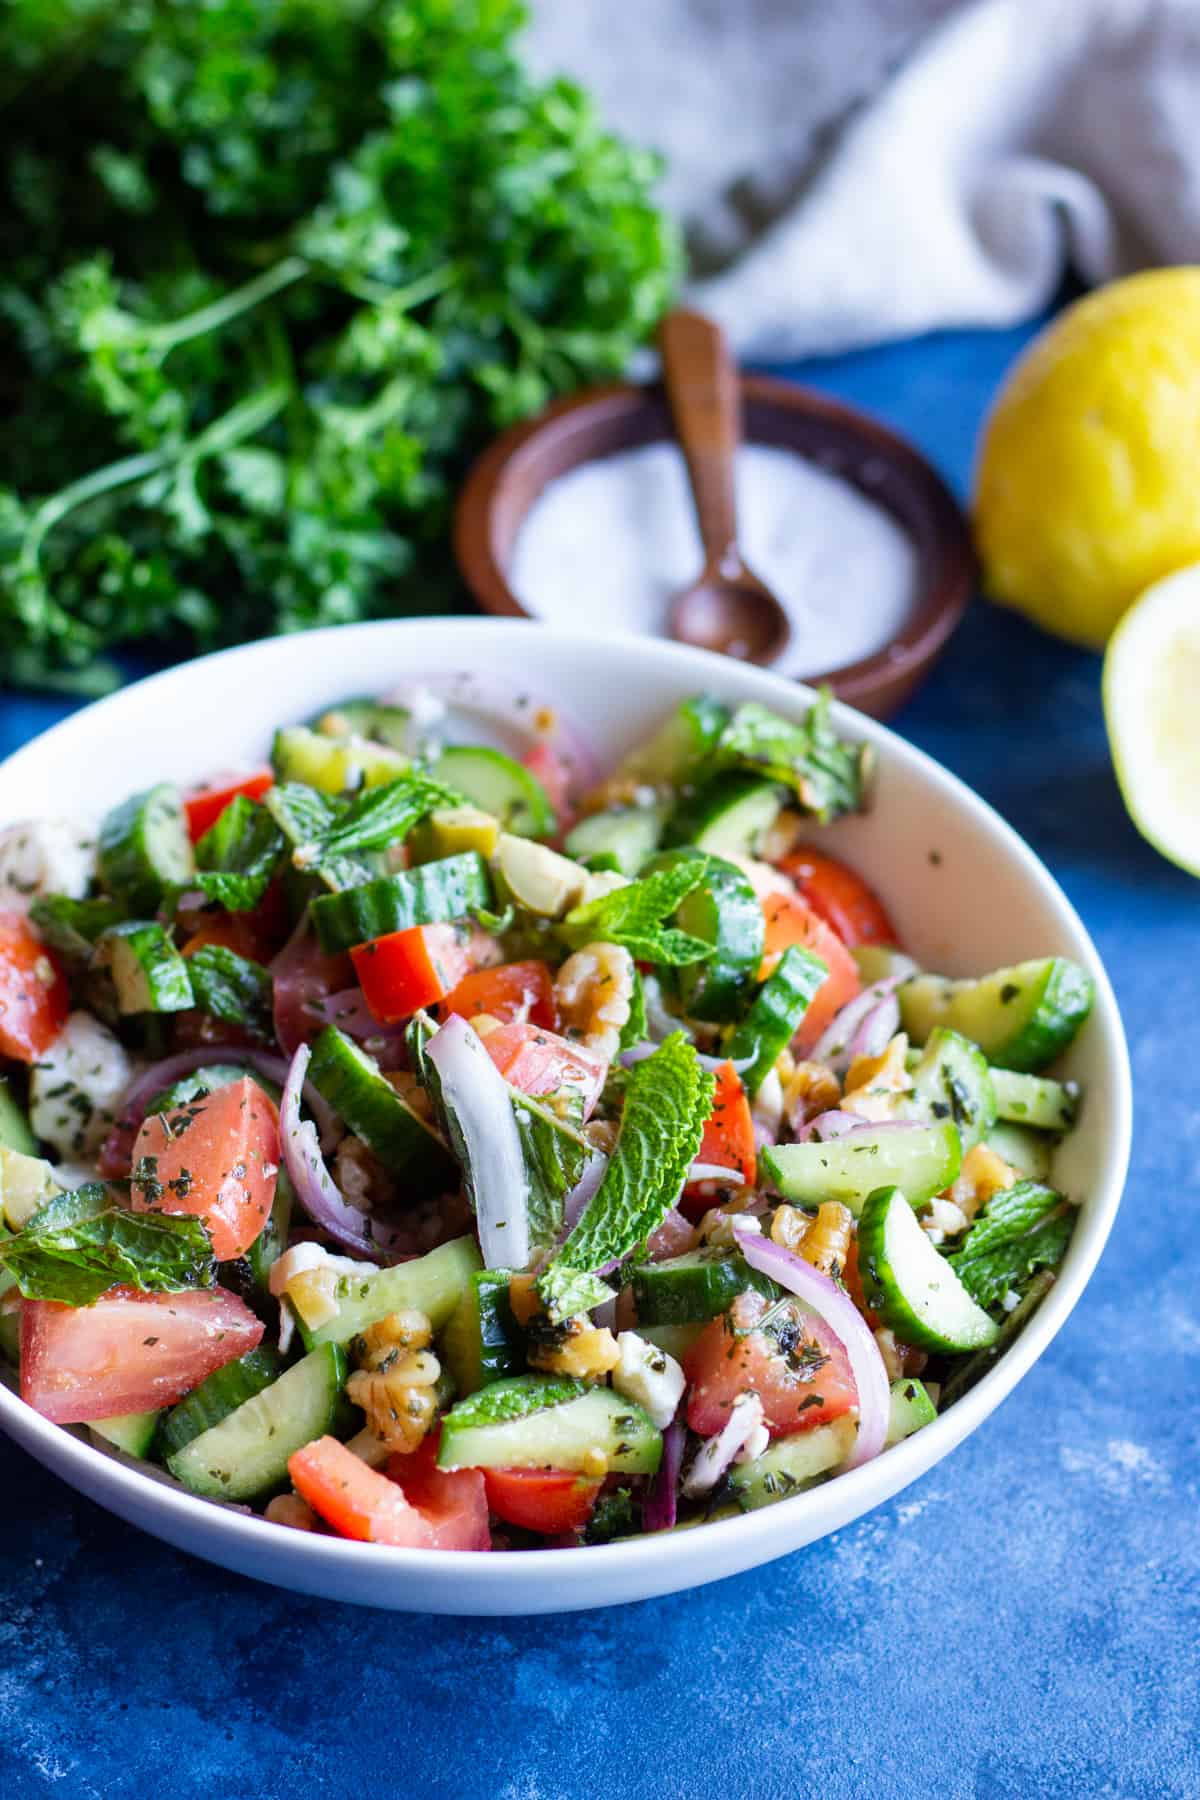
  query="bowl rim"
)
[
  {"x": 938, "y": 605},
  {"x": 71, "y": 1456}
]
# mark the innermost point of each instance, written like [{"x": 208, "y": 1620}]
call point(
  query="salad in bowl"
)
[{"x": 458, "y": 1147}]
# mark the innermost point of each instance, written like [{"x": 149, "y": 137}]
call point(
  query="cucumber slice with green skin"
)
[
  {"x": 1021, "y": 1018},
  {"x": 775, "y": 1014},
  {"x": 911, "y": 1288},
  {"x": 792, "y": 1464},
  {"x": 433, "y": 1284},
  {"x": 1036, "y": 1100},
  {"x": 729, "y": 816},
  {"x": 432, "y": 894},
  {"x": 685, "y": 739},
  {"x": 725, "y": 913},
  {"x": 15, "y": 1133},
  {"x": 925, "y": 1158},
  {"x": 145, "y": 849},
  {"x": 247, "y": 1453},
  {"x": 203, "y": 1081},
  {"x": 27, "y": 1183},
  {"x": 911, "y": 1409},
  {"x": 370, "y": 719},
  {"x": 629, "y": 835},
  {"x": 218, "y": 1396},
  {"x": 699, "y": 1285},
  {"x": 952, "y": 1081},
  {"x": 1030, "y": 1153},
  {"x": 333, "y": 765},
  {"x": 500, "y": 786},
  {"x": 271, "y": 1241},
  {"x": 147, "y": 972},
  {"x": 365, "y": 1100},
  {"x": 676, "y": 1340},
  {"x": 548, "y": 1422},
  {"x": 482, "y": 1342},
  {"x": 134, "y": 1433},
  {"x": 72, "y": 926}
]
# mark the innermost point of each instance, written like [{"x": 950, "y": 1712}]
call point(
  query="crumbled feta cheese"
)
[
  {"x": 716, "y": 1453},
  {"x": 767, "y": 1107},
  {"x": 76, "y": 1085},
  {"x": 648, "y": 1376},
  {"x": 302, "y": 1257},
  {"x": 45, "y": 856},
  {"x": 754, "y": 1445},
  {"x": 1011, "y": 1301},
  {"x": 948, "y": 1218}
]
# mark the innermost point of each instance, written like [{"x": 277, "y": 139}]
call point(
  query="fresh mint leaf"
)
[
  {"x": 555, "y": 1155},
  {"x": 231, "y": 987},
  {"x": 236, "y": 857},
  {"x": 72, "y": 926},
  {"x": 81, "y": 1244},
  {"x": 668, "y": 1100},
  {"x": 635, "y": 1029},
  {"x": 635, "y": 915},
  {"x": 515, "y": 1397},
  {"x": 1022, "y": 1228},
  {"x": 827, "y": 775},
  {"x": 381, "y": 817}
]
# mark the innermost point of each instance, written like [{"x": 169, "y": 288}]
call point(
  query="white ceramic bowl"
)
[{"x": 985, "y": 900}]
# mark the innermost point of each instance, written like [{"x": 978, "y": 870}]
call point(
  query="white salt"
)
[{"x": 609, "y": 544}]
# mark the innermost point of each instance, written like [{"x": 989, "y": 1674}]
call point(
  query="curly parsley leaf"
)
[
  {"x": 636, "y": 916},
  {"x": 81, "y": 1244},
  {"x": 827, "y": 775},
  {"x": 668, "y": 1100},
  {"x": 1022, "y": 1228},
  {"x": 231, "y": 987},
  {"x": 237, "y": 856}
]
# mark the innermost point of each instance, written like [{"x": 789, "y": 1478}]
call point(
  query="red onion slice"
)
[
  {"x": 479, "y": 1101},
  {"x": 703, "y": 1171},
  {"x": 876, "y": 1030},
  {"x": 839, "y": 1312},
  {"x": 303, "y": 974},
  {"x": 662, "y": 1497},
  {"x": 585, "y": 1187},
  {"x": 716, "y": 1453},
  {"x": 833, "y": 1047},
  {"x": 348, "y": 1010},
  {"x": 828, "y": 1125},
  {"x": 315, "y": 1187}
]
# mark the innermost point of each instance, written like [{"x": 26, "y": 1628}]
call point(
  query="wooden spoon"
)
[{"x": 727, "y": 608}]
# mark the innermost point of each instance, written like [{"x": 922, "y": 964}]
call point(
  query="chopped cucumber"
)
[
  {"x": 371, "y": 719},
  {"x": 1021, "y": 1018},
  {"x": 775, "y": 1013},
  {"x": 548, "y": 1422},
  {"x": 72, "y": 926},
  {"x": 333, "y": 765},
  {"x": 15, "y": 1133},
  {"x": 433, "y": 1284},
  {"x": 202, "y": 1081},
  {"x": 26, "y": 1184},
  {"x": 911, "y": 1408},
  {"x": 539, "y": 879},
  {"x": 1030, "y": 1153},
  {"x": 147, "y": 972},
  {"x": 218, "y": 1395},
  {"x": 685, "y": 739},
  {"x": 367, "y": 1102},
  {"x": 271, "y": 1241},
  {"x": 1036, "y": 1100},
  {"x": 482, "y": 1341},
  {"x": 676, "y": 1340},
  {"x": 792, "y": 1464},
  {"x": 452, "y": 829},
  {"x": 500, "y": 786},
  {"x": 145, "y": 848},
  {"x": 725, "y": 913},
  {"x": 911, "y": 1288},
  {"x": 695, "y": 1286},
  {"x": 431, "y": 894},
  {"x": 628, "y": 834},
  {"x": 133, "y": 1433},
  {"x": 952, "y": 1081},
  {"x": 923, "y": 1158},
  {"x": 247, "y": 1452},
  {"x": 729, "y": 816},
  {"x": 880, "y": 962}
]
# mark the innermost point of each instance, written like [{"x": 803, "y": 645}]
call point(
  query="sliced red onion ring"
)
[
  {"x": 315, "y": 1187},
  {"x": 876, "y": 1030},
  {"x": 585, "y": 1187},
  {"x": 517, "y": 719},
  {"x": 848, "y": 1325},
  {"x": 348, "y": 1010},
  {"x": 716, "y": 1453},
  {"x": 833, "y": 1047},
  {"x": 478, "y": 1101},
  {"x": 829, "y": 1125},
  {"x": 662, "y": 1497},
  {"x": 640, "y": 1052},
  {"x": 703, "y": 1171}
]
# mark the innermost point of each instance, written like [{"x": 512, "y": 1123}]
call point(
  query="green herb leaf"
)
[
  {"x": 81, "y": 1244},
  {"x": 72, "y": 926},
  {"x": 635, "y": 916},
  {"x": 231, "y": 987},
  {"x": 635, "y": 1029},
  {"x": 667, "y": 1102},
  {"x": 236, "y": 857},
  {"x": 516, "y": 1397},
  {"x": 555, "y": 1155},
  {"x": 1022, "y": 1228},
  {"x": 827, "y": 775},
  {"x": 381, "y": 817}
]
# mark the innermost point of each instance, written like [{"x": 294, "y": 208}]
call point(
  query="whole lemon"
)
[{"x": 1087, "y": 484}]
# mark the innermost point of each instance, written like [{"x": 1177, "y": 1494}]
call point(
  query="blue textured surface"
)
[{"x": 1023, "y": 1622}]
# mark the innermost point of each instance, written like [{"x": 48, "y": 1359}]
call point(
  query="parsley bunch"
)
[{"x": 272, "y": 270}]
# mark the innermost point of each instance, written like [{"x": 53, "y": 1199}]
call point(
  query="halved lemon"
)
[{"x": 1152, "y": 709}]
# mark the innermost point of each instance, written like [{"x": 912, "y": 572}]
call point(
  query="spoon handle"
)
[{"x": 702, "y": 387}]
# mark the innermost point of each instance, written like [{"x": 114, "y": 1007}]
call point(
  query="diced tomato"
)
[
  {"x": 216, "y": 1158},
  {"x": 128, "y": 1351},
  {"x": 226, "y": 931},
  {"x": 34, "y": 997},
  {"x": 842, "y": 898},
  {"x": 729, "y": 1129},
  {"x": 205, "y": 807},
  {"x": 547, "y": 1500},
  {"x": 433, "y": 1510},
  {"x": 515, "y": 991},
  {"x": 541, "y": 1062},
  {"x": 799, "y": 1371},
  {"x": 406, "y": 970},
  {"x": 789, "y": 921},
  {"x": 548, "y": 767}
]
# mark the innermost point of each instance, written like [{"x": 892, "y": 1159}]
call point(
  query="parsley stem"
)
[{"x": 230, "y": 306}]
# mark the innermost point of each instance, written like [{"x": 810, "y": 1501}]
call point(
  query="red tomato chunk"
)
[
  {"x": 216, "y": 1158},
  {"x": 797, "y": 1367},
  {"x": 34, "y": 998}
]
